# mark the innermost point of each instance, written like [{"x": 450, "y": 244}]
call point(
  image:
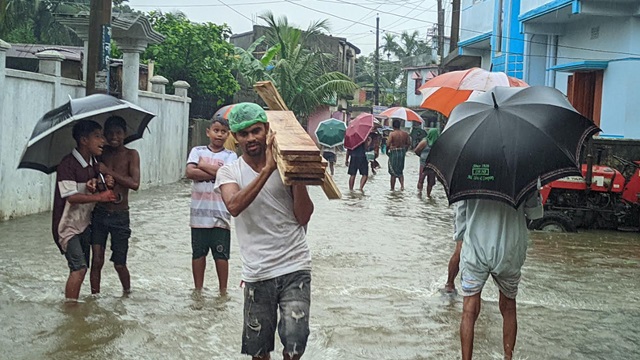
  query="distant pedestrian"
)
[
  {"x": 495, "y": 238},
  {"x": 422, "y": 150},
  {"x": 271, "y": 220},
  {"x": 329, "y": 154},
  {"x": 373, "y": 150},
  {"x": 123, "y": 164},
  {"x": 399, "y": 142},
  {"x": 210, "y": 220},
  {"x": 74, "y": 199},
  {"x": 358, "y": 164}
]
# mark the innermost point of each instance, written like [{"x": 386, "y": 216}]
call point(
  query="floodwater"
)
[{"x": 378, "y": 263}]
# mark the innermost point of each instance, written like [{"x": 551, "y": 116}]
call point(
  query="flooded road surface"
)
[{"x": 378, "y": 263}]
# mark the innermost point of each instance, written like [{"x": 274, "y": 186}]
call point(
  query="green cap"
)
[{"x": 246, "y": 114}]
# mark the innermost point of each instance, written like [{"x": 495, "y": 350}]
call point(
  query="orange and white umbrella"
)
[
  {"x": 402, "y": 113},
  {"x": 445, "y": 92}
]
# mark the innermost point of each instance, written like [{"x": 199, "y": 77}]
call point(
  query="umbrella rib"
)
[
  {"x": 473, "y": 132},
  {"x": 546, "y": 134}
]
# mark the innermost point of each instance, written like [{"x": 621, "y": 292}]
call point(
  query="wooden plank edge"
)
[{"x": 330, "y": 188}]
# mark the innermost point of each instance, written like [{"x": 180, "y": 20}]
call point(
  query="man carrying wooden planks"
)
[{"x": 271, "y": 220}]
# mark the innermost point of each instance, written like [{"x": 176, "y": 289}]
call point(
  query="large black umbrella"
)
[
  {"x": 51, "y": 139},
  {"x": 497, "y": 145}
]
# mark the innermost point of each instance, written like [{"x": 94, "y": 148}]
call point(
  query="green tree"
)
[
  {"x": 197, "y": 53},
  {"x": 297, "y": 67},
  {"x": 391, "y": 91},
  {"x": 32, "y": 21}
]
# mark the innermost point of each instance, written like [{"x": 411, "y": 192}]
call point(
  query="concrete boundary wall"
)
[{"x": 25, "y": 97}]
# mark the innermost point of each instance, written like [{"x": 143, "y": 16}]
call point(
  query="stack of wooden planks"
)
[{"x": 298, "y": 158}]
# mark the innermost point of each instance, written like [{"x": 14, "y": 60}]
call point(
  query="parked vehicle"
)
[{"x": 602, "y": 198}]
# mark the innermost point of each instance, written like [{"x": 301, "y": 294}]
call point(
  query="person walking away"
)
[
  {"x": 74, "y": 198},
  {"x": 210, "y": 220},
  {"x": 454, "y": 263},
  {"x": 358, "y": 164},
  {"x": 373, "y": 151},
  {"x": 271, "y": 222},
  {"x": 495, "y": 240},
  {"x": 422, "y": 150},
  {"x": 399, "y": 142},
  {"x": 329, "y": 154},
  {"x": 123, "y": 165}
]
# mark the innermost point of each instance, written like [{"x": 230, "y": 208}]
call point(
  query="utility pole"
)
[
  {"x": 376, "y": 95},
  {"x": 99, "y": 47},
  {"x": 455, "y": 24},
  {"x": 440, "y": 34}
]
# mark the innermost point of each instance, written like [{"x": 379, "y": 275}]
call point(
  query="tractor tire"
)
[{"x": 553, "y": 221}]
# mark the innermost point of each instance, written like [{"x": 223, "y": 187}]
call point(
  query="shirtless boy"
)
[{"x": 123, "y": 164}]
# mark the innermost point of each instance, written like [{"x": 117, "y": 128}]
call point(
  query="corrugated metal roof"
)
[{"x": 29, "y": 51}]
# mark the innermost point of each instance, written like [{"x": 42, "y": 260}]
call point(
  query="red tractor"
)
[{"x": 603, "y": 198}]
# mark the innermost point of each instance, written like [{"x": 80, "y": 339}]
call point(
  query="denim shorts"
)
[
  {"x": 117, "y": 224},
  {"x": 291, "y": 294},
  {"x": 78, "y": 251}
]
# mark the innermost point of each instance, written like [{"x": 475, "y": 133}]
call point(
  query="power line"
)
[
  {"x": 236, "y": 11},
  {"x": 211, "y": 5},
  {"x": 481, "y": 32},
  {"x": 405, "y": 17}
]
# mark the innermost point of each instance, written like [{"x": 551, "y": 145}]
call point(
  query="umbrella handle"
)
[{"x": 102, "y": 184}]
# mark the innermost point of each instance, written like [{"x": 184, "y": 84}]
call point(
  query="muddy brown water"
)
[{"x": 378, "y": 263}]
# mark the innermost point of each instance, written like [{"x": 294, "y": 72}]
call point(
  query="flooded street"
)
[{"x": 378, "y": 263}]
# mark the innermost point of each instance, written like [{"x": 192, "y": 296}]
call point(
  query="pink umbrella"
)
[
  {"x": 402, "y": 113},
  {"x": 358, "y": 131}
]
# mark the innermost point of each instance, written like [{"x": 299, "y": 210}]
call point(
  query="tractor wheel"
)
[{"x": 553, "y": 221}]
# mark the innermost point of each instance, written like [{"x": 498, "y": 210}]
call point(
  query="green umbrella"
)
[{"x": 331, "y": 132}]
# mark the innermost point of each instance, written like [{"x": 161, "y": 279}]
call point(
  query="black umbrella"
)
[
  {"x": 51, "y": 139},
  {"x": 497, "y": 145}
]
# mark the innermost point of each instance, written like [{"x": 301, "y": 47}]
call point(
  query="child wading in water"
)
[
  {"x": 123, "y": 164},
  {"x": 210, "y": 220}
]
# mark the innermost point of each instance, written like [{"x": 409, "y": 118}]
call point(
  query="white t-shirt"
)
[
  {"x": 494, "y": 234},
  {"x": 207, "y": 207},
  {"x": 272, "y": 242}
]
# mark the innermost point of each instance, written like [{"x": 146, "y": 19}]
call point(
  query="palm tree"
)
[
  {"x": 33, "y": 21},
  {"x": 297, "y": 67},
  {"x": 389, "y": 44}
]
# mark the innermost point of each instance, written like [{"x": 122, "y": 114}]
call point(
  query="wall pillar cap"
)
[
  {"x": 132, "y": 45},
  {"x": 160, "y": 80},
  {"x": 50, "y": 55},
  {"x": 180, "y": 84},
  {"x": 4, "y": 46}
]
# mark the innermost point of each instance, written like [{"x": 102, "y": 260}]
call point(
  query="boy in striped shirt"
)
[{"x": 210, "y": 220}]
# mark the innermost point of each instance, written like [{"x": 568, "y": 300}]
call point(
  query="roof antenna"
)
[{"x": 495, "y": 103}]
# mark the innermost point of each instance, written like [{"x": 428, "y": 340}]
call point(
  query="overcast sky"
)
[{"x": 352, "y": 19}]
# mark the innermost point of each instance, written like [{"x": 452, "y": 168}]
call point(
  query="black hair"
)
[
  {"x": 115, "y": 121},
  {"x": 84, "y": 128},
  {"x": 220, "y": 121},
  {"x": 396, "y": 123}
]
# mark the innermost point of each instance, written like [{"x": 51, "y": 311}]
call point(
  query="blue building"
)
[
  {"x": 588, "y": 49},
  {"x": 490, "y": 37}
]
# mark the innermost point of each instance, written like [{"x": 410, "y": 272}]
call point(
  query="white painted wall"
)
[
  {"x": 615, "y": 34},
  {"x": 163, "y": 149},
  {"x": 486, "y": 60},
  {"x": 528, "y": 5},
  {"x": 620, "y": 106},
  {"x": 414, "y": 100},
  {"x": 27, "y": 96},
  {"x": 476, "y": 18},
  {"x": 536, "y": 52}
]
